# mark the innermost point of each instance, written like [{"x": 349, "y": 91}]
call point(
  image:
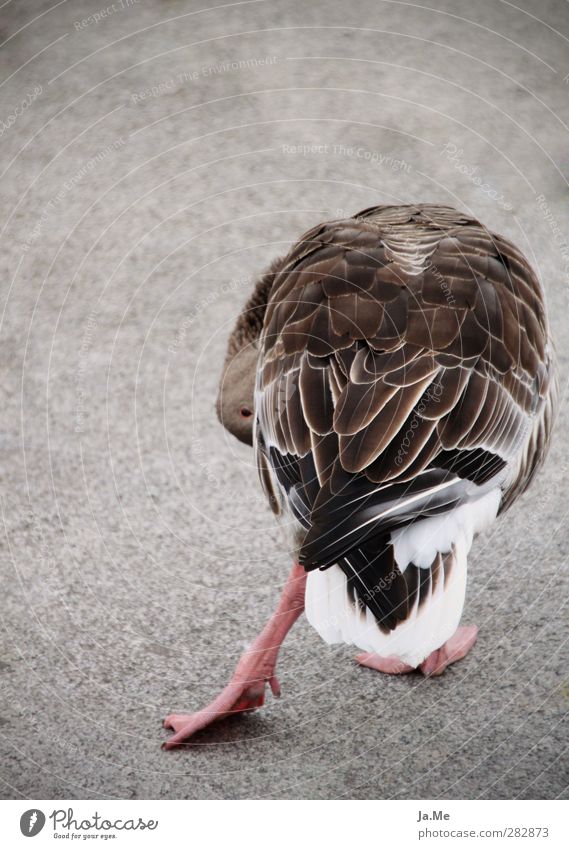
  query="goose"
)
[{"x": 396, "y": 376}]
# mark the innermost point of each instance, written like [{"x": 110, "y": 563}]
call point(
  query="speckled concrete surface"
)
[{"x": 154, "y": 169}]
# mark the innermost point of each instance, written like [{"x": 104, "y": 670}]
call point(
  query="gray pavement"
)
[{"x": 163, "y": 156}]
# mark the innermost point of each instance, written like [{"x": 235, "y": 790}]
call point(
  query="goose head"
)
[{"x": 235, "y": 405}]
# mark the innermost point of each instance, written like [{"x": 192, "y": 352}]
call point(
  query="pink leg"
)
[
  {"x": 256, "y": 668},
  {"x": 435, "y": 664},
  {"x": 390, "y": 665},
  {"x": 454, "y": 649}
]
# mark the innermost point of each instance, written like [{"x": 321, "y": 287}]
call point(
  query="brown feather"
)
[{"x": 406, "y": 318}]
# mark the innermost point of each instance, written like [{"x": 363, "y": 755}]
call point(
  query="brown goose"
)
[{"x": 396, "y": 376}]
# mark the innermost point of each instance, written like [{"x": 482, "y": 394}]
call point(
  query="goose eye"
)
[{"x": 245, "y": 412}]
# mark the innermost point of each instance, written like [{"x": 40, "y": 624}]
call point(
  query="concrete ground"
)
[{"x": 155, "y": 156}]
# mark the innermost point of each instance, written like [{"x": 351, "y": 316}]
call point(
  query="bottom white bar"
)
[{"x": 249, "y": 824}]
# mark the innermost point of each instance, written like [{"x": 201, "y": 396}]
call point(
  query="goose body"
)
[
  {"x": 404, "y": 393},
  {"x": 404, "y": 397}
]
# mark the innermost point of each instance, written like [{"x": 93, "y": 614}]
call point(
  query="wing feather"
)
[{"x": 405, "y": 368}]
